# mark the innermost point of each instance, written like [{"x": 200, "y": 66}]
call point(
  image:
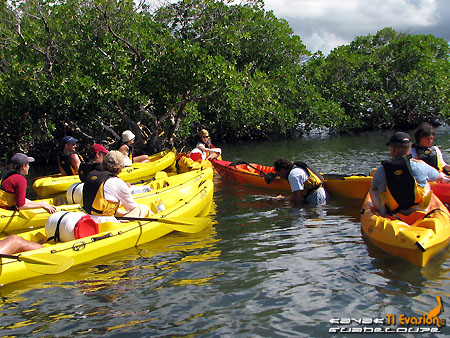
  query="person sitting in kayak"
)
[
  {"x": 104, "y": 192},
  {"x": 96, "y": 157},
  {"x": 401, "y": 184},
  {"x": 69, "y": 160},
  {"x": 13, "y": 186},
  {"x": 306, "y": 183},
  {"x": 15, "y": 244},
  {"x": 126, "y": 147},
  {"x": 424, "y": 149},
  {"x": 204, "y": 148}
]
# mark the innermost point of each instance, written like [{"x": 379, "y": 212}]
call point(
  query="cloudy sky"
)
[{"x": 326, "y": 24}]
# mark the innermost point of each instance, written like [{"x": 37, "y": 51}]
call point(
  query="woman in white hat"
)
[{"x": 126, "y": 148}]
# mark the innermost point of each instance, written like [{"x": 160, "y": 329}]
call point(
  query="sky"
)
[{"x": 326, "y": 24}]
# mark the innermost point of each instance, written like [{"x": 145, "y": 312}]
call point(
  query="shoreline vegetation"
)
[{"x": 92, "y": 68}]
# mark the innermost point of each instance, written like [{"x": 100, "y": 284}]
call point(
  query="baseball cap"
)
[
  {"x": 127, "y": 135},
  {"x": 98, "y": 148},
  {"x": 399, "y": 138},
  {"x": 114, "y": 159},
  {"x": 21, "y": 159},
  {"x": 69, "y": 139}
]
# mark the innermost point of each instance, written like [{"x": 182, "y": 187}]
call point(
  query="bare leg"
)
[
  {"x": 14, "y": 244},
  {"x": 141, "y": 159}
]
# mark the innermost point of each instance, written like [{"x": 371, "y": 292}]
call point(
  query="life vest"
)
[
  {"x": 65, "y": 163},
  {"x": 7, "y": 199},
  {"x": 86, "y": 168},
  {"x": 94, "y": 201},
  {"x": 314, "y": 181},
  {"x": 402, "y": 190},
  {"x": 428, "y": 155}
]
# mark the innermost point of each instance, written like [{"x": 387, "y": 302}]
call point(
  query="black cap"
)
[{"x": 399, "y": 138}]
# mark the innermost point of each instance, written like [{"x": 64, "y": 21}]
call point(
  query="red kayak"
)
[
  {"x": 442, "y": 191},
  {"x": 353, "y": 186}
]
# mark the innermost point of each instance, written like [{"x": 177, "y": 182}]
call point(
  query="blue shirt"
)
[{"x": 421, "y": 171}]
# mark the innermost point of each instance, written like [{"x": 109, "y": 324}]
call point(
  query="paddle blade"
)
[
  {"x": 46, "y": 263},
  {"x": 190, "y": 225}
]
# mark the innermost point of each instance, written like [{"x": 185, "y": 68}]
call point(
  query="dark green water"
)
[{"x": 264, "y": 270}]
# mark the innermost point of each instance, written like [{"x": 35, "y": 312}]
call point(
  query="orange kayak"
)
[
  {"x": 417, "y": 237},
  {"x": 352, "y": 186}
]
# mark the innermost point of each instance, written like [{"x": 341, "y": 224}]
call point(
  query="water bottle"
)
[{"x": 160, "y": 205}]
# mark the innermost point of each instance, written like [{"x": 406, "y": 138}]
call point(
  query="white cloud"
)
[{"x": 326, "y": 24}]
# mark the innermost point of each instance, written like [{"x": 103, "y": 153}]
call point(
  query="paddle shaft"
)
[
  {"x": 182, "y": 224},
  {"x": 44, "y": 263},
  {"x": 181, "y": 220},
  {"x": 10, "y": 256}
]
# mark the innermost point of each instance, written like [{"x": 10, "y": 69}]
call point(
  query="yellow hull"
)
[
  {"x": 416, "y": 241},
  {"x": 195, "y": 200},
  {"x": 347, "y": 186},
  {"x": 185, "y": 163},
  {"x": 57, "y": 184},
  {"x": 17, "y": 221}
]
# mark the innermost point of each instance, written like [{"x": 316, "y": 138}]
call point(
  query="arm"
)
[
  {"x": 124, "y": 150},
  {"x": 35, "y": 205},
  {"x": 446, "y": 167},
  {"x": 443, "y": 178},
  {"x": 297, "y": 198},
  {"x": 377, "y": 203},
  {"x": 125, "y": 197},
  {"x": 217, "y": 151}
]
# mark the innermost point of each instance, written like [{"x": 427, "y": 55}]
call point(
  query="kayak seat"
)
[
  {"x": 412, "y": 218},
  {"x": 428, "y": 224}
]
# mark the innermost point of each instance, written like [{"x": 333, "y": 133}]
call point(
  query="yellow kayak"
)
[
  {"x": 416, "y": 238},
  {"x": 184, "y": 163},
  {"x": 12, "y": 221},
  {"x": 57, "y": 184},
  {"x": 187, "y": 210}
]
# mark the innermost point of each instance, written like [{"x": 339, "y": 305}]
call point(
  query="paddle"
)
[
  {"x": 183, "y": 224},
  {"x": 44, "y": 263}
]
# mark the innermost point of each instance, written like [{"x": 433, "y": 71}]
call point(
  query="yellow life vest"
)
[
  {"x": 7, "y": 199},
  {"x": 314, "y": 181},
  {"x": 94, "y": 201},
  {"x": 311, "y": 184}
]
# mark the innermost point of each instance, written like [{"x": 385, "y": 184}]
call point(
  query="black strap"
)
[
  {"x": 55, "y": 237},
  {"x": 73, "y": 191}
]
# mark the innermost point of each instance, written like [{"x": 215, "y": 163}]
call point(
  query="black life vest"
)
[
  {"x": 86, "y": 168},
  {"x": 314, "y": 181},
  {"x": 94, "y": 202},
  {"x": 428, "y": 155},
  {"x": 65, "y": 163},
  {"x": 402, "y": 191},
  {"x": 5, "y": 173}
]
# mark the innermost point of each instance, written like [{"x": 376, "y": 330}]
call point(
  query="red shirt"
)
[{"x": 16, "y": 184}]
